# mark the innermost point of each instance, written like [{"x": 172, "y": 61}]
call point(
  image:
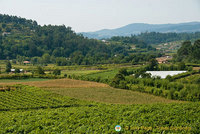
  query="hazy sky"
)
[{"x": 92, "y": 15}]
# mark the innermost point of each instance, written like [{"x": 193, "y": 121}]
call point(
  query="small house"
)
[
  {"x": 164, "y": 59},
  {"x": 26, "y": 62}
]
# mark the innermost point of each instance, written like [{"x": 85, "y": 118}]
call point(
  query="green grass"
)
[
  {"x": 108, "y": 74},
  {"x": 78, "y": 72}
]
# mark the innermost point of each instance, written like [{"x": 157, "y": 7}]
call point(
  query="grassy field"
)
[
  {"x": 93, "y": 91},
  {"x": 33, "y": 110},
  {"x": 110, "y": 95},
  {"x": 196, "y": 68},
  {"x": 79, "y": 72},
  {"x": 108, "y": 74},
  {"x": 59, "y": 83},
  {"x": 74, "y": 106}
]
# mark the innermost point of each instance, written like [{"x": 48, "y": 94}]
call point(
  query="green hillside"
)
[{"x": 23, "y": 39}]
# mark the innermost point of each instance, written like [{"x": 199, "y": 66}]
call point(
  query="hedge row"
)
[
  {"x": 87, "y": 78},
  {"x": 182, "y": 75},
  {"x": 160, "y": 87},
  {"x": 184, "y": 94}
]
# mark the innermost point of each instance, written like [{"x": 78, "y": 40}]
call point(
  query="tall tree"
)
[
  {"x": 8, "y": 66},
  {"x": 153, "y": 65}
]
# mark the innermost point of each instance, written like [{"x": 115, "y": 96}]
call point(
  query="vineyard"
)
[
  {"x": 75, "y": 106},
  {"x": 26, "y": 97},
  {"x": 33, "y": 110}
]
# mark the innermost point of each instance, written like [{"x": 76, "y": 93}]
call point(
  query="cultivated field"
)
[
  {"x": 108, "y": 74},
  {"x": 59, "y": 83},
  {"x": 93, "y": 91},
  {"x": 110, "y": 95},
  {"x": 75, "y": 106}
]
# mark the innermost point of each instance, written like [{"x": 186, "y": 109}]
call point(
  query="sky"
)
[{"x": 93, "y": 15}]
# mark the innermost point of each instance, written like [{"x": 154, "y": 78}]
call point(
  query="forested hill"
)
[
  {"x": 25, "y": 39},
  {"x": 157, "y": 38}
]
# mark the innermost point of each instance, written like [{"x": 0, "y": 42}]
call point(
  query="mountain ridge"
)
[{"x": 137, "y": 28}]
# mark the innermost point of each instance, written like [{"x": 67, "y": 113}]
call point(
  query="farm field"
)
[
  {"x": 76, "y": 106},
  {"x": 33, "y": 110},
  {"x": 111, "y": 95},
  {"x": 93, "y": 91},
  {"x": 27, "y": 97},
  {"x": 108, "y": 74},
  {"x": 59, "y": 83},
  {"x": 190, "y": 79},
  {"x": 76, "y": 116},
  {"x": 79, "y": 72}
]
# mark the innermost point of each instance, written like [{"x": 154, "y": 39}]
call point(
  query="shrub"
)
[
  {"x": 17, "y": 70},
  {"x": 123, "y": 71},
  {"x": 57, "y": 72},
  {"x": 170, "y": 94},
  {"x": 157, "y": 92},
  {"x": 169, "y": 77},
  {"x": 40, "y": 70},
  {"x": 65, "y": 75},
  {"x": 123, "y": 84}
]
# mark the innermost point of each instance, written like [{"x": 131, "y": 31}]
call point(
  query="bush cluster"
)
[{"x": 169, "y": 87}]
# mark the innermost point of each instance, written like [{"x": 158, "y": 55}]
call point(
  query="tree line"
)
[
  {"x": 189, "y": 52},
  {"x": 145, "y": 39},
  {"x": 157, "y": 38}
]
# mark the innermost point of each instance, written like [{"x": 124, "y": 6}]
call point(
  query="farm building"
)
[
  {"x": 26, "y": 62},
  {"x": 164, "y": 59}
]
